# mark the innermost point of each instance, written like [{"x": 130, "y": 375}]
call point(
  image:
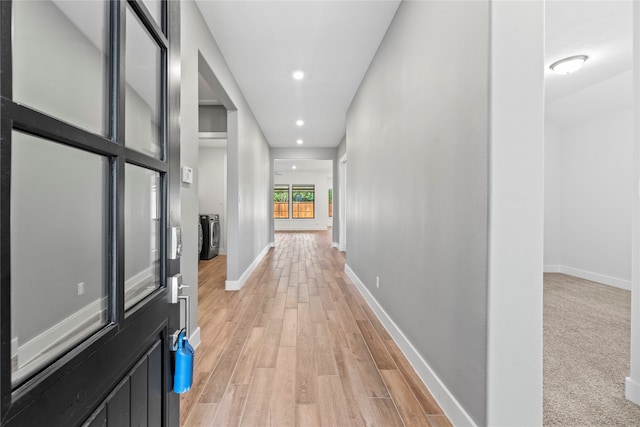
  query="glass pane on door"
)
[
  {"x": 142, "y": 233},
  {"x": 155, "y": 9},
  {"x": 59, "y": 255},
  {"x": 143, "y": 130},
  {"x": 60, "y": 60}
]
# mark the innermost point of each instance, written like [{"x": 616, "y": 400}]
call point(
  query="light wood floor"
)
[{"x": 298, "y": 345}]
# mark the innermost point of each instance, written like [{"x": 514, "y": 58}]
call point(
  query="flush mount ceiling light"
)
[
  {"x": 299, "y": 122},
  {"x": 569, "y": 65},
  {"x": 299, "y": 142},
  {"x": 298, "y": 75},
  {"x": 293, "y": 167}
]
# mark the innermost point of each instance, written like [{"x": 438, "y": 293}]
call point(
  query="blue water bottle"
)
[{"x": 183, "y": 374}]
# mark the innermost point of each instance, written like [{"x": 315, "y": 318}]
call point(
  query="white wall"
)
[
  {"x": 248, "y": 159},
  {"x": 589, "y": 180},
  {"x": 321, "y": 220},
  {"x": 516, "y": 215},
  {"x": 212, "y": 179},
  {"x": 552, "y": 196}
]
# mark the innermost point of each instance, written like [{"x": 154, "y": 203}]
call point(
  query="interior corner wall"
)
[
  {"x": 417, "y": 133},
  {"x": 248, "y": 159},
  {"x": 589, "y": 174}
]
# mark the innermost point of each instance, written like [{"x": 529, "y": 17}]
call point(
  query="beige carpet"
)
[{"x": 586, "y": 354}]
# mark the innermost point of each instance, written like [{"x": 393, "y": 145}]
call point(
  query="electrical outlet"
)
[
  {"x": 80, "y": 288},
  {"x": 378, "y": 282}
]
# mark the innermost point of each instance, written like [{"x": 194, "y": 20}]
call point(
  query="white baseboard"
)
[
  {"x": 589, "y": 275},
  {"x": 335, "y": 245},
  {"x": 35, "y": 346},
  {"x": 552, "y": 269},
  {"x": 194, "y": 339},
  {"x": 140, "y": 277},
  {"x": 452, "y": 409},
  {"x": 14, "y": 347},
  {"x": 302, "y": 228},
  {"x": 632, "y": 390},
  {"x": 272, "y": 244},
  {"x": 236, "y": 285}
]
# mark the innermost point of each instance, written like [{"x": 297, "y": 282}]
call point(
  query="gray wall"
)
[
  {"x": 248, "y": 158},
  {"x": 417, "y": 149},
  {"x": 212, "y": 118}
]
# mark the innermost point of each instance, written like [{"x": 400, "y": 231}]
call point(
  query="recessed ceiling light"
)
[
  {"x": 293, "y": 167},
  {"x": 299, "y": 122},
  {"x": 298, "y": 75},
  {"x": 299, "y": 142},
  {"x": 569, "y": 65}
]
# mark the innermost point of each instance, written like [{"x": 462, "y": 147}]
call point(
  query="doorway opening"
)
[
  {"x": 589, "y": 181},
  {"x": 303, "y": 195}
]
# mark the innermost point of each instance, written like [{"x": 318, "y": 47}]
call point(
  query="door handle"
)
[
  {"x": 187, "y": 314},
  {"x": 175, "y": 286}
]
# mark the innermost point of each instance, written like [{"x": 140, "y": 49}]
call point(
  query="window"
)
[
  {"x": 302, "y": 201},
  {"x": 330, "y": 202},
  {"x": 281, "y": 201}
]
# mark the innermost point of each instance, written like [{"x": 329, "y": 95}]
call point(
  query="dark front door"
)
[{"x": 89, "y": 187}]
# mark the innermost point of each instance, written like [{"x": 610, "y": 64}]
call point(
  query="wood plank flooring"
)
[{"x": 298, "y": 346}]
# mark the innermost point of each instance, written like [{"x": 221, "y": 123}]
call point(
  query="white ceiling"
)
[
  {"x": 333, "y": 42},
  {"x": 303, "y": 166},
  {"x": 602, "y": 30}
]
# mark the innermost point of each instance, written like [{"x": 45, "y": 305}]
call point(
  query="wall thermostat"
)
[{"x": 187, "y": 175}]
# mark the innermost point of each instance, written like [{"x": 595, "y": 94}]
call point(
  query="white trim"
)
[
  {"x": 632, "y": 390},
  {"x": 35, "y": 346},
  {"x": 451, "y": 407},
  {"x": 632, "y": 382},
  {"x": 194, "y": 339},
  {"x": 301, "y": 227},
  {"x": 272, "y": 244},
  {"x": 236, "y": 285},
  {"x": 589, "y": 275},
  {"x": 14, "y": 347},
  {"x": 335, "y": 245}
]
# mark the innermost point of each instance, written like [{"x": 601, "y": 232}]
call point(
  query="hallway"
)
[{"x": 298, "y": 345}]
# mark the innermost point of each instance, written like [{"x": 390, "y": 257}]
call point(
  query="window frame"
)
[
  {"x": 282, "y": 190},
  {"x": 303, "y": 188}
]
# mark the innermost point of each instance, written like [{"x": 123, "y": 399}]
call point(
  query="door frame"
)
[{"x": 342, "y": 244}]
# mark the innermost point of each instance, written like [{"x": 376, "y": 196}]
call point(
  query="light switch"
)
[{"x": 187, "y": 175}]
